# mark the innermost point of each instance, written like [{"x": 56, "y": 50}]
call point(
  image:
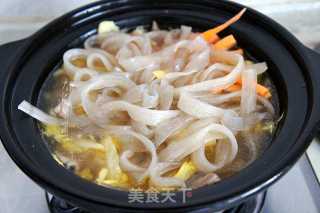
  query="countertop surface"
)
[{"x": 297, "y": 192}]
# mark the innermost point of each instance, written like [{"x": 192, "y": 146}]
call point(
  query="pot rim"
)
[{"x": 259, "y": 184}]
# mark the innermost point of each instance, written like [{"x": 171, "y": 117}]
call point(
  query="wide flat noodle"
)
[
  {"x": 164, "y": 96},
  {"x": 222, "y": 82},
  {"x": 181, "y": 148}
]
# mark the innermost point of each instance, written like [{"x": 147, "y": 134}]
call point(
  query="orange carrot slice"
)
[
  {"x": 211, "y": 35},
  {"x": 216, "y": 91},
  {"x": 226, "y": 43},
  {"x": 261, "y": 90},
  {"x": 233, "y": 88}
]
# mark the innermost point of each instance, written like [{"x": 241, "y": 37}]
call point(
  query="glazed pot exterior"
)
[{"x": 26, "y": 64}]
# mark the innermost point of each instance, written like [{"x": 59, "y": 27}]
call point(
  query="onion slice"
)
[{"x": 38, "y": 114}]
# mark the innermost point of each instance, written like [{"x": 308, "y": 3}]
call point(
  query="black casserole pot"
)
[{"x": 26, "y": 64}]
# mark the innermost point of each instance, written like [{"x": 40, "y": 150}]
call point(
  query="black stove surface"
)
[{"x": 252, "y": 205}]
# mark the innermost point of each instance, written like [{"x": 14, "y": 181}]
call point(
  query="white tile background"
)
[{"x": 20, "y": 18}]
